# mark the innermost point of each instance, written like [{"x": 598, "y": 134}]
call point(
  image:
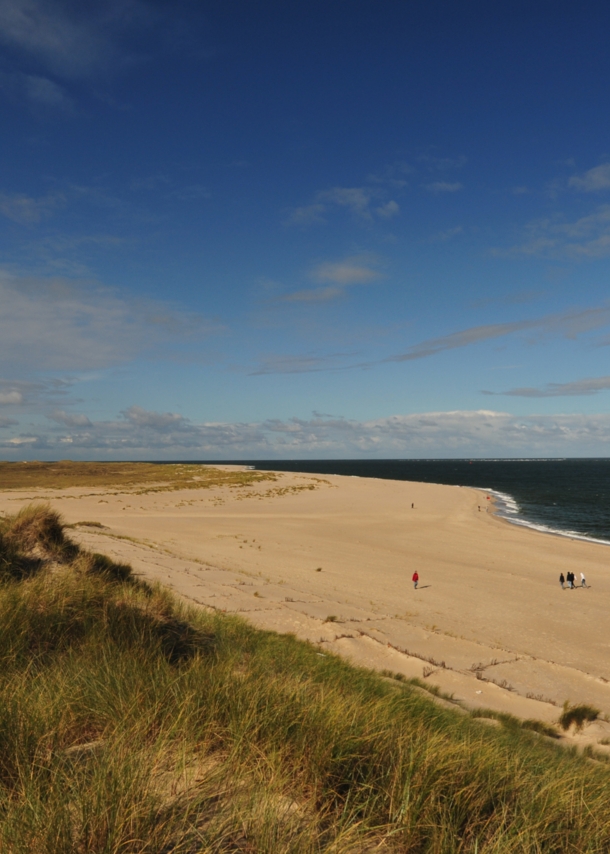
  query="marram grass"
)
[{"x": 130, "y": 724}]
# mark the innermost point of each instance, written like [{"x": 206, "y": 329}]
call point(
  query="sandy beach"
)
[{"x": 330, "y": 559}]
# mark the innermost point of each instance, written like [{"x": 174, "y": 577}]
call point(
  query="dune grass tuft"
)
[
  {"x": 129, "y": 723},
  {"x": 577, "y": 716}
]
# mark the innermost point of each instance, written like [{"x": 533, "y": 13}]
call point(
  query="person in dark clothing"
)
[{"x": 562, "y": 580}]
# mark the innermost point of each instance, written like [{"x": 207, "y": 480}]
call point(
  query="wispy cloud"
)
[
  {"x": 40, "y": 91},
  {"x": 308, "y": 214},
  {"x": 313, "y": 294},
  {"x": 27, "y": 210},
  {"x": 444, "y": 186},
  {"x": 442, "y": 164},
  {"x": 370, "y": 201},
  {"x": 357, "y": 201},
  {"x": 44, "y": 92},
  {"x": 569, "y": 324},
  {"x": 395, "y": 175},
  {"x": 354, "y": 270},
  {"x": 447, "y": 234},
  {"x": 593, "y": 180},
  {"x": 59, "y": 324},
  {"x": 71, "y": 40},
  {"x": 586, "y": 238},
  {"x": 589, "y": 386},
  {"x": 301, "y": 364},
  {"x": 389, "y": 210},
  {"x": 464, "y": 338}
]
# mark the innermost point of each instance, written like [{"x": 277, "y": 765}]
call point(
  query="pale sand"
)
[{"x": 489, "y": 599}]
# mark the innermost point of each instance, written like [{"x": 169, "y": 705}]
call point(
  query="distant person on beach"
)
[
  {"x": 415, "y": 579},
  {"x": 570, "y": 577},
  {"x": 583, "y": 580},
  {"x": 562, "y": 580}
]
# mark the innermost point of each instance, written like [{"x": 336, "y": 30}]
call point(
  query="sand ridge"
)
[{"x": 330, "y": 559}]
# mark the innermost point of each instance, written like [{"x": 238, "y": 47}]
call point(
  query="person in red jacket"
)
[{"x": 415, "y": 579}]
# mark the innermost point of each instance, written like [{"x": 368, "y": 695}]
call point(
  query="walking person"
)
[
  {"x": 583, "y": 580},
  {"x": 415, "y": 579},
  {"x": 562, "y": 580},
  {"x": 570, "y": 577}
]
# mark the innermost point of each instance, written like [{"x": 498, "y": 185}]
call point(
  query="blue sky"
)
[{"x": 287, "y": 229}]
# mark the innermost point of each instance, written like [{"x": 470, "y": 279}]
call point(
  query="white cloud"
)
[
  {"x": 159, "y": 421},
  {"x": 8, "y": 397},
  {"x": 593, "y": 181},
  {"x": 444, "y": 187},
  {"x": 69, "y": 419},
  {"x": 426, "y": 434}
]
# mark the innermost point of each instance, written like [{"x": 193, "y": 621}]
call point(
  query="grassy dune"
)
[
  {"x": 130, "y": 477},
  {"x": 129, "y": 724}
]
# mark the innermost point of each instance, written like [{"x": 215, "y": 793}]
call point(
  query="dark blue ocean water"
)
[{"x": 570, "y": 496}]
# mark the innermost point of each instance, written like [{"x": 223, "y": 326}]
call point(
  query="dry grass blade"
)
[{"x": 129, "y": 724}]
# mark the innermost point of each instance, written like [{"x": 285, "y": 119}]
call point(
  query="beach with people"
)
[{"x": 401, "y": 577}]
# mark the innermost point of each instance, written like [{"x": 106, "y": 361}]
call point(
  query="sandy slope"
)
[{"x": 489, "y": 608}]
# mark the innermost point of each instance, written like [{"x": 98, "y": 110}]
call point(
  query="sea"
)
[{"x": 568, "y": 497}]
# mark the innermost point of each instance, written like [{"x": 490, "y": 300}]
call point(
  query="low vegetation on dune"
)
[
  {"x": 130, "y": 724},
  {"x": 139, "y": 477}
]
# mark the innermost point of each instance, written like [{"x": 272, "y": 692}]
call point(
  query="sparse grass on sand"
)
[
  {"x": 130, "y": 724},
  {"x": 138, "y": 477}
]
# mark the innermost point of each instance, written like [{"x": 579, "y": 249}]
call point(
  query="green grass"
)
[{"x": 131, "y": 724}]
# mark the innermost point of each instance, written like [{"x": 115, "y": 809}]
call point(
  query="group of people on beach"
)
[{"x": 571, "y": 579}]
